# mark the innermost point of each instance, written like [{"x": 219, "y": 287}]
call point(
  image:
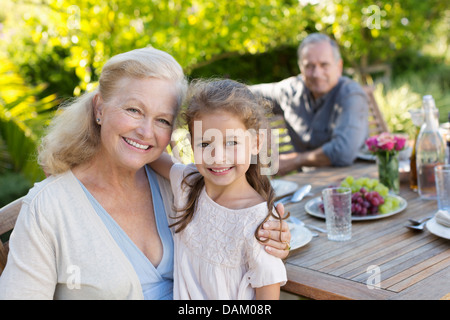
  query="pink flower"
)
[
  {"x": 399, "y": 143},
  {"x": 372, "y": 143},
  {"x": 388, "y": 145},
  {"x": 385, "y": 142}
]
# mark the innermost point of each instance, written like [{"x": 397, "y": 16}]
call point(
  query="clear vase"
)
[{"x": 388, "y": 173}]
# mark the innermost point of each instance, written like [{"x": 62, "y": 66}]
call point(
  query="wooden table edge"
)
[{"x": 327, "y": 287}]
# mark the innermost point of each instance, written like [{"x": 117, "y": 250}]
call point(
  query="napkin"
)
[{"x": 443, "y": 217}]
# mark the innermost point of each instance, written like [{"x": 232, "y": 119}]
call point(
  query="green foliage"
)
[
  {"x": 56, "y": 48},
  {"x": 66, "y": 44},
  {"x": 404, "y": 94},
  {"x": 80, "y": 38},
  {"x": 399, "y": 26},
  {"x": 12, "y": 186},
  {"x": 271, "y": 66},
  {"x": 394, "y": 103},
  {"x": 22, "y": 118}
]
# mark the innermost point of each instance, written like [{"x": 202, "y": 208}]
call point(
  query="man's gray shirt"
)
[{"x": 337, "y": 121}]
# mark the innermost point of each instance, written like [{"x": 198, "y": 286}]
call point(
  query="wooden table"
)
[{"x": 409, "y": 264}]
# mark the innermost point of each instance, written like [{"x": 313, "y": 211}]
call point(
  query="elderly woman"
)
[{"x": 97, "y": 227}]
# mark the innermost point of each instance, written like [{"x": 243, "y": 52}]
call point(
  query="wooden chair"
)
[
  {"x": 284, "y": 140},
  {"x": 8, "y": 217},
  {"x": 377, "y": 124}
]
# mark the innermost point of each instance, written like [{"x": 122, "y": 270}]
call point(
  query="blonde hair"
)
[
  {"x": 208, "y": 96},
  {"x": 73, "y": 136}
]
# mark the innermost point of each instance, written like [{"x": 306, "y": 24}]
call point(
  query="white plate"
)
[
  {"x": 300, "y": 235},
  {"x": 312, "y": 207},
  {"x": 283, "y": 187},
  {"x": 366, "y": 156},
  {"x": 438, "y": 229}
]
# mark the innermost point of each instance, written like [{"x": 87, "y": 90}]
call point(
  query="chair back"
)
[
  {"x": 377, "y": 124},
  {"x": 278, "y": 123},
  {"x": 8, "y": 217}
]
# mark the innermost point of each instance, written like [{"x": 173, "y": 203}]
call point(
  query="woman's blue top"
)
[{"x": 157, "y": 283}]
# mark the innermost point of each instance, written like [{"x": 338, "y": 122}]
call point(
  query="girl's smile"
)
[{"x": 220, "y": 171}]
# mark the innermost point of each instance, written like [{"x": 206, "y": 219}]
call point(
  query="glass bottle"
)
[
  {"x": 430, "y": 150},
  {"x": 417, "y": 120}
]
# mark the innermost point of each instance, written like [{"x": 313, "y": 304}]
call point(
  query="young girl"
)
[{"x": 222, "y": 199}]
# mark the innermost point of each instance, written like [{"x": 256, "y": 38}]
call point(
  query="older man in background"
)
[{"x": 326, "y": 113}]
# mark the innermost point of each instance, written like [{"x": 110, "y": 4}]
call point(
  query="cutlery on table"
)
[
  {"x": 418, "y": 226},
  {"x": 420, "y": 220},
  {"x": 296, "y": 197},
  {"x": 300, "y": 223},
  {"x": 316, "y": 228},
  {"x": 309, "y": 226}
]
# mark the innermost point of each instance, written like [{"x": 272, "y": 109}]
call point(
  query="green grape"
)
[
  {"x": 349, "y": 179},
  {"x": 364, "y": 181},
  {"x": 385, "y": 208},
  {"x": 378, "y": 188},
  {"x": 372, "y": 183},
  {"x": 382, "y": 190},
  {"x": 355, "y": 187},
  {"x": 345, "y": 184},
  {"x": 395, "y": 202}
]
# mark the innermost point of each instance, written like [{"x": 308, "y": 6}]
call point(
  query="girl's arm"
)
[
  {"x": 270, "y": 292},
  {"x": 162, "y": 165}
]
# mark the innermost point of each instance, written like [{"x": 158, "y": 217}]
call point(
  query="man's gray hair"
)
[{"x": 316, "y": 38}]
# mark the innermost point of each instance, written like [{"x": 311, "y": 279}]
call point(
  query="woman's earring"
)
[{"x": 98, "y": 120}]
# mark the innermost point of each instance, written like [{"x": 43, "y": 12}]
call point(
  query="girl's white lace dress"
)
[{"x": 217, "y": 255}]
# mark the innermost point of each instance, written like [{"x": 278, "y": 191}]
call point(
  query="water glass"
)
[
  {"x": 442, "y": 175},
  {"x": 337, "y": 205}
]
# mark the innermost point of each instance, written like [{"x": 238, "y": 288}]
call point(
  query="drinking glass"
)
[
  {"x": 337, "y": 205},
  {"x": 442, "y": 175}
]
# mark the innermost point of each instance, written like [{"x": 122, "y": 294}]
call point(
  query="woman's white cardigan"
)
[{"x": 60, "y": 248}]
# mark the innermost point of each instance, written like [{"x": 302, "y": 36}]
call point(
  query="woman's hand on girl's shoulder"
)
[{"x": 278, "y": 243}]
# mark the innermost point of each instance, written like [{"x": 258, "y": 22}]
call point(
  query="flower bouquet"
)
[{"x": 386, "y": 147}]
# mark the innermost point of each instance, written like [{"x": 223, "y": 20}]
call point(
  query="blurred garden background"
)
[{"x": 52, "y": 50}]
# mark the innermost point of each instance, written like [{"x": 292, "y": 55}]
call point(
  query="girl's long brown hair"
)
[{"x": 207, "y": 96}]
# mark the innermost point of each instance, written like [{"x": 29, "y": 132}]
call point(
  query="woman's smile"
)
[{"x": 136, "y": 144}]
